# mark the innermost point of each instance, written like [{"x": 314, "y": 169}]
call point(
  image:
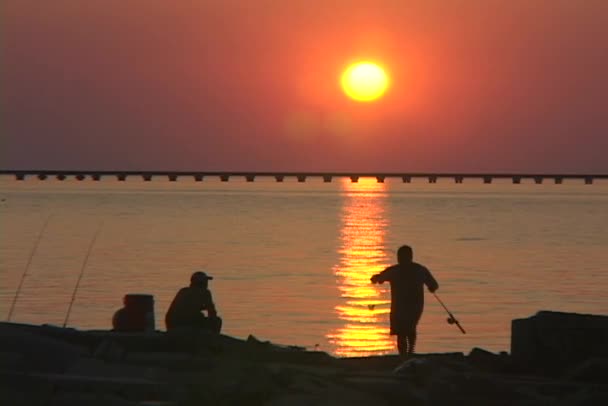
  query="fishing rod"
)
[
  {"x": 451, "y": 319},
  {"x": 27, "y": 266},
  {"x": 84, "y": 264}
]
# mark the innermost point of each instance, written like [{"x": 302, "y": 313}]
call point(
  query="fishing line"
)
[
  {"x": 27, "y": 267},
  {"x": 84, "y": 264}
]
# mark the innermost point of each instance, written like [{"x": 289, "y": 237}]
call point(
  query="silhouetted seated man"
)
[
  {"x": 407, "y": 296},
  {"x": 187, "y": 307}
]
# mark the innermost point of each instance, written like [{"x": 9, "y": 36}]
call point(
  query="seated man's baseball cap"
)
[{"x": 199, "y": 277}]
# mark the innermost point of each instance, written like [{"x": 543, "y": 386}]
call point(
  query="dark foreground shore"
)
[{"x": 555, "y": 359}]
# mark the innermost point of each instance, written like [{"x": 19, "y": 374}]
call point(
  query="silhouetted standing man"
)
[{"x": 407, "y": 296}]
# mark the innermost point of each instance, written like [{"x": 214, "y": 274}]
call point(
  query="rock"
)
[
  {"x": 11, "y": 361},
  {"x": 421, "y": 370},
  {"x": 18, "y": 389},
  {"x": 594, "y": 370},
  {"x": 132, "y": 341},
  {"x": 200, "y": 341},
  {"x": 251, "y": 339},
  {"x": 488, "y": 361},
  {"x": 376, "y": 363},
  {"x": 234, "y": 382},
  {"x": 324, "y": 371},
  {"x": 89, "y": 399},
  {"x": 39, "y": 353},
  {"x": 170, "y": 360},
  {"x": 392, "y": 389},
  {"x": 255, "y": 384},
  {"x": 109, "y": 350},
  {"x": 91, "y": 367},
  {"x": 449, "y": 388},
  {"x": 68, "y": 335},
  {"x": 291, "y": 357},
  {"x": 185, "y": 339},
  {"x": 587, "y": 396},
  {"x": 415, "y": 366},
  {"x": 551, "y": 342},
  {"x": 129, "y": 388},
  {"x": 64, "y": 367},
  {"x": 326, "y": 393}
]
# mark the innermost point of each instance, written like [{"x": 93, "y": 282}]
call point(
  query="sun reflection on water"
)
[{"x": 363, "y": 306}]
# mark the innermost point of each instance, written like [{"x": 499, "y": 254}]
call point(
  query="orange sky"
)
[{"x": 483, "y": 85}]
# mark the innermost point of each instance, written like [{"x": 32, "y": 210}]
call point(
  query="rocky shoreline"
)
[{"x": 555, "y": 359}]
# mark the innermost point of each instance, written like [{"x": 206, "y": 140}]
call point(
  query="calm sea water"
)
[{"x": 292, "y": 261}]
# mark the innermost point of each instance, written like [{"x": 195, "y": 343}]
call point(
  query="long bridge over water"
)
[{"x": 250, "y": 176}]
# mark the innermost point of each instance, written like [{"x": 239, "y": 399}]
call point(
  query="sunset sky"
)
[{"x": 476, "y": 85}]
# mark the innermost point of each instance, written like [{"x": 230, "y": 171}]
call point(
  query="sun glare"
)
[{"x": 364, "y": 81}]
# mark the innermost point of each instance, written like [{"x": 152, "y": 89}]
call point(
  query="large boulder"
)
[{"x": 551, "y": 342}]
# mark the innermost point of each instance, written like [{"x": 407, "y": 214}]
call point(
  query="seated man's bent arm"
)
[
  {"x": 212, "y": 310},
  {"x": 209, "y": 305}
]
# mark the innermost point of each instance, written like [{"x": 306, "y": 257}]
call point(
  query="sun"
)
[{"x": 364, "y": 81}]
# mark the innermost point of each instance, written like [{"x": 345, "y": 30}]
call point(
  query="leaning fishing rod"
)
[
  {"x": 27, "y": 267},
  {"x": 84, "y": 264},
  {"x": 451, "y": 319}
]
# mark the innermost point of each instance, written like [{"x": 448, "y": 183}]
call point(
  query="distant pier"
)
[{"x": 516, "y": 178}]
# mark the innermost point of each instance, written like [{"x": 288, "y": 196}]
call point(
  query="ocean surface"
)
[{"x": 292, "y": 261}]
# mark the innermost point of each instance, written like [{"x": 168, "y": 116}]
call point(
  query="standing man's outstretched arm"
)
[
  {"x": 382, "y": 276},
  {"x": 429, "y": 281}
]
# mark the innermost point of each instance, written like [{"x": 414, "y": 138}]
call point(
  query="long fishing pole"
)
[
  {"x": 27, "y": 267},
  {"x": 451, "y": 319},
  {"x": 84, "y": 264}
]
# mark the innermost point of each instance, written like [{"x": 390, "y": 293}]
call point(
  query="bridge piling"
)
[{"x": 516, "y": 178}]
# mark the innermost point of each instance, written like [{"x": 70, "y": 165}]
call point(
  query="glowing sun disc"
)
[{"x": 364, "y": 81}]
